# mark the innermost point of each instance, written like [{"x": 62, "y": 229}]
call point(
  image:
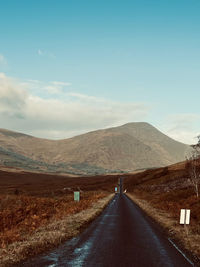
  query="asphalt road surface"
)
[{"x": 121, "y": 236}]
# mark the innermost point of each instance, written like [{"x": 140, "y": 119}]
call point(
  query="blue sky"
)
[{"x": 94, "y": 56}]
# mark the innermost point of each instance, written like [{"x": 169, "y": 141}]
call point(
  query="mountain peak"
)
[{"x": 137, "y": 124}]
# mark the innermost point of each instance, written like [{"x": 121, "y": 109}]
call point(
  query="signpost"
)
[
  {"x": 76, "y": 196},
  {"x": 185, "y": 218},
  {"x": 120, "y": 182}
]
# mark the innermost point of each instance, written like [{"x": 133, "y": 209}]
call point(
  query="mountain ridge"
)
[{"x": 136, "y": 145}]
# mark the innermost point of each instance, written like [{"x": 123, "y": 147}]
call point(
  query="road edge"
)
[{"x": 158, "y": 218}]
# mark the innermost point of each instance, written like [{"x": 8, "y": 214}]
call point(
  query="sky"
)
[{"x": 72, "y": 66}]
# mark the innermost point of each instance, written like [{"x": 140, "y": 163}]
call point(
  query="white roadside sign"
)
[{"x": 185, "y": 216}]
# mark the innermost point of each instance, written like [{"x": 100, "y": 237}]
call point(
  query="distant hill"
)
[{"x": 125, "y": 148}]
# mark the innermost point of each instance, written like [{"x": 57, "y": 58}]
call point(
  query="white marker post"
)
[
  {"x": 185, "y": 218},
  {"x": 77, "y": 196}
]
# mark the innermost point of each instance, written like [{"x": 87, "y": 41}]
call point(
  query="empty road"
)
[{"x": 121, "y": 236}]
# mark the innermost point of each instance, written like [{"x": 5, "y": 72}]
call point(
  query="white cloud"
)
[
  {"x": 52, "y": 88},
  {"x": 56, "y": 87},
  {"x": 3, "y": 60},
  {"x": 183, "y": 127},
  {"x": 60, "y": 83},
  {"x": 34, "y": 81},
  {"x": 51, "y": 110},
  {"x": 62, "y": 115},
  {"x": 40, "y": 52},
  {"x": 187, "y": 137},
  {"x": 44, "y": 53},
  {"x": 12, "y": 97}
]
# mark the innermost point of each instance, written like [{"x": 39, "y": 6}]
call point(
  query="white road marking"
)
[{"x": 181, "y": 252}]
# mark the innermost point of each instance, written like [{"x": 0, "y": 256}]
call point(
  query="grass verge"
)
[
  {"x": 48, "y": 233},
  {"x": 186, "y": 239}
]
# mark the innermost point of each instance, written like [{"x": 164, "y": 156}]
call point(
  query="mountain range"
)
[{"x": 126, "y": 148}]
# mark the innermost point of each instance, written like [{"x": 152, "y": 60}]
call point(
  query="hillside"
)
[{"x": 126, "y": 148}]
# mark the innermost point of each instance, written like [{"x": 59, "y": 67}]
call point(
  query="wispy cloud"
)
[
  {"x": 63, "y": 115},
  {"x": 12, "y": 98},
  {"x": 40, "y": 52},
  {"x": 3, "y": 60},
  {"x": 51, "y": 88},
  {"x": 52, "y": 110},
  {"x": 56, "y": 83},
  {"x": 44, "y": 53},
  {"x": 183, "y": 127}
]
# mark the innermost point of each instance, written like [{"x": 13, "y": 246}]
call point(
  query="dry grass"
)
[
  {"x": 65, "y": 221},
  {"x": 188, "y": 237},
  {"x": 22, "y": 215},
  {"x": 161, "y": 193},
  {"x": 37, "y": 210}
]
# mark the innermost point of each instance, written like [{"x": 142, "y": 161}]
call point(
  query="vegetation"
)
[
  {"x": 16, "y": 160},
  {"x": 22, "y": 215},
  {"x": 37, "y": 211},
  {"x": 31, "y": 231},
  {"x": 193, "y": 167},
  {"x": 128, "y": 147},
  {"x": 162, "y": 193}
]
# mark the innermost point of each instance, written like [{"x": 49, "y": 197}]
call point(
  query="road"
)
[{"x": 121, "y": 236}]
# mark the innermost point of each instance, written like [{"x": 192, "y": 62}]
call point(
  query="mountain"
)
[{"x": 125, "y": 148}]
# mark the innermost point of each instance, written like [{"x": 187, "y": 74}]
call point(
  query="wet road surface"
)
[{"x": 121, "y": 236}]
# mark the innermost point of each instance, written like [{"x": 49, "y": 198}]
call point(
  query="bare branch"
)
[{"x": 193, "y": 167}]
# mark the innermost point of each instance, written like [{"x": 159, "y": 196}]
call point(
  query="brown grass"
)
[
  {"x": 162, "y": 193},
  {"x": 46, "y": 185},
  {"x": 37, "y": 210},
  {"x": 48, "y": 223},
  {"x": 186, "y": 237},
  {"x": 22, "y": 215}
]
